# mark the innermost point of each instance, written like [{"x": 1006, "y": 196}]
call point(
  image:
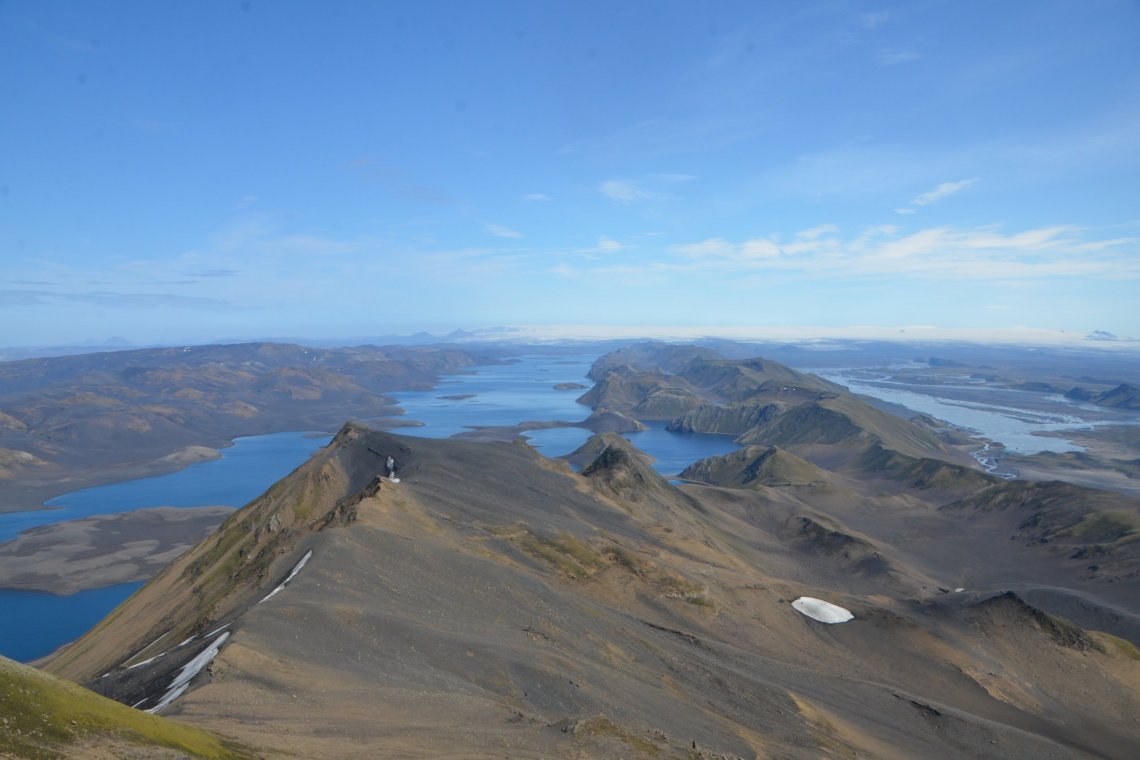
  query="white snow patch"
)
[
  {"x": 219, "y": 629},
  {"x": 824, "y": 612},
  {"x": 959, "y": 590},
  {"x": 181, "y": 681},
  {"x": 148, "y": 646},
  {"x": 146, "y": 662},
  {"x": 296, "y": 569},
  {"x": 187, "y": 641}
]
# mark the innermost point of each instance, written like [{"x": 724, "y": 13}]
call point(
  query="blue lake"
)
[
  {"x": 674, "y": 452},
  {"x": 245, "y": 470},
  {"x": 33, "y": 624},
  {"x": 500, "y": 395},
  {"x": 505, "y": 395}
]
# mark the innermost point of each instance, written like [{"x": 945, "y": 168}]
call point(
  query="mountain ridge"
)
[{"x": 498, "y": 602}]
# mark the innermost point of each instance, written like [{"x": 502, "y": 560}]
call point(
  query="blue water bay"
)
[
  {"x": 33, "y": 625},
  {"x": 500, "y": 395},
  {"x": 673, "y": 452},
  {"x": 245, "y": 470}
]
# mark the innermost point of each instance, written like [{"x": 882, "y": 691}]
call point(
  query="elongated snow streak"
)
[
  {"x": 146, "y": 662},
  {"x": 824, "y": 612},
  {"x": 284, "y": 583},
  {"x": 148, "y": 646},
  {"x": 181, "y": 681},
  {"x": 187, "y": 641},
  {"x": 219, "y": 629}
]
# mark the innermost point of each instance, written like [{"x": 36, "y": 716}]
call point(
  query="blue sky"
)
[{"x": 177, "y": 171}]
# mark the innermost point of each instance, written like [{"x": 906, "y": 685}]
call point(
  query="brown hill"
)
[
  {"x": 670, "y": 357},
  {"x": 757, "y": 401},
  {"x": 756, "y": 466},
  {"x": 726, "y": 419},
  {"x": 1096, "y": 531},
  {"x": 642, "y": 395},
  {"x": 495, "y": 603},
  {"x": 740, "y": 380}
]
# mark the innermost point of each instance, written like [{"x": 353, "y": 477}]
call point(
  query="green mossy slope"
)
[{"x": 44, "y": 717}]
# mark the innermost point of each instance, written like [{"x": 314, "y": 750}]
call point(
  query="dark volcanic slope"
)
[
  {"x": 495, "y": 603},
  {"x": 68, "y": 421}
]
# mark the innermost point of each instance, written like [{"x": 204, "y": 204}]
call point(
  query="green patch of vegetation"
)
[
  {"x": 669, "y": 584},
  {"x": 41, "y": 715},
  {"x": 604, "y": 727},
  {"x": 676, "y": 587},
  {"x": 573, "y": 557},
  {"x": 625, "y": 558},
  {"x": 1106, "y": 527},
  {"x": 228, "y": 537},
  {"x": 1126, "y": 648},
  {"x": 302, "y": 509}
]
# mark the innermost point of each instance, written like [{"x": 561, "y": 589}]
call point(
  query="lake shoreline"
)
[{"x": 32, "y": 494}]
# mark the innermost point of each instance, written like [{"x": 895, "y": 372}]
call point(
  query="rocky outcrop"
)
[
  {"x": 620, "y": 470},
  {"x": 730, "y": 419}
]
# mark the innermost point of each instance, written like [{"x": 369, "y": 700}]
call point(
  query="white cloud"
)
[
  {"x": 500, "y": 231},
  {"x": 983, "y": 254},
  {"x": 607, "y": 245},
  {"x": 758, "y": 248},
  {"x": 537, "y": 197},
  {"x": 897, "y": 56},
  {"x": 942, "y": 191},
  {"x": 904, "y": 210},
  {"x": 623, "y": 191},
  {"x": 874, "y": 19},
  {"x": 818, "y": 231},
  {"x": 719, "y": 248},
  {"x": 710, "y": 248},
  {"x": 1100, "y": 245}
]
